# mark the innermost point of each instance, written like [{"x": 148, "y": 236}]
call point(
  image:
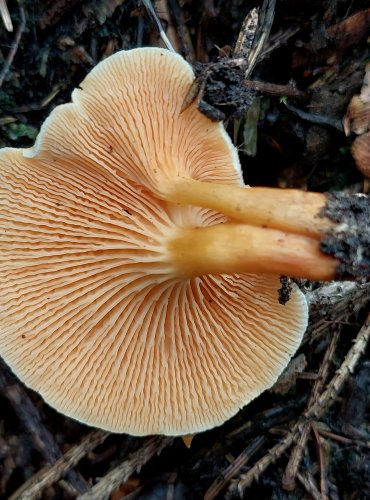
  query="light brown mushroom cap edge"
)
[{"x": 92, "y": 315}]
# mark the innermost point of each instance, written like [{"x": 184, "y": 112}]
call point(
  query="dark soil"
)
[
  {"x": 312, "y": 64},
  {"x": 351, "y": 243}
]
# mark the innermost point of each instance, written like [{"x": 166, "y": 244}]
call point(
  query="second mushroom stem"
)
[
  {"x": 273, "y": 231},
  {"x": 290, "y": 210}
]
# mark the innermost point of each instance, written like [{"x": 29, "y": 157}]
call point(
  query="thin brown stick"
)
[
  {"x": 122, "y": 472},
  {"x": 336, "y": 437},
  {"x": 32, "y": 421},
  {"x": 288, "y": 479},
  {"x": 233, "y": 469},
  {"x": 153, "y": 16},
  {"x": 279, "y": 39},
  {"x": 308, "y": 482},
  {"x": 291, "y": 470},
  {"x": 278, "y": 90},
  {"x": 178, "y": 18},
  {"x": 13, "y": 49},
  {"x": 325, "y": 400},
  {"x": 47, "y": 476},
  {"x": 324, "y": 368},
  {"x": 323, "y": 463},
  {"x": 343, "y": 439}
]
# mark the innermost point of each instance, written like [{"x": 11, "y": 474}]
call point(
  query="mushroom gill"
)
[{"x": 95, "y": 313}]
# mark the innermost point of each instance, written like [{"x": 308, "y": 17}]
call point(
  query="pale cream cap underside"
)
[{"x": 90, "y": 315}]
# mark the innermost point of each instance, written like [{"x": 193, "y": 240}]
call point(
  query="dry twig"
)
[
  {"x": 279, "y": 39},
  {"x": 343, "y": 439},
  {"x": 324, "y": 489},
  {"x": 4, "y": 12},
  {"x": 334, "y": 303},
  {"x": 14, "y": 47},
  {"x": 221, "y": 482},
  {"x": 178, "y": 16},
  {"x": 153, "y": 16},
  {"x": 274, "y": 89},
  {"x": 291, "y": 470},
  {"x": 262, "y": 34},
  {"x": 309, "y": 484},
  {"x": 324, "y": 401},
  {"x": 165, "y": 19},
  {"x": 31, "y": 420},
  {"x": 122, "y": 472},
  {"x": 48, "y": 475}
]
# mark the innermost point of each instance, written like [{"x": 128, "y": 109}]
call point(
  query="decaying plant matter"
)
[{"x": 217, "y": 461}]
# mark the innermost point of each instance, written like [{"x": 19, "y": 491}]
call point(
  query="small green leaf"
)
[
  {"x": 17, "y": 130},
  {"x": 283, "y": 99}
]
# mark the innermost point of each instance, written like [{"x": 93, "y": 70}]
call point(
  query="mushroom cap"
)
[{"x": 92, "y": 315}]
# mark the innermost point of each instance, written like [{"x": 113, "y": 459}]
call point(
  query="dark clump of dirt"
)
[
  {"x": 224, "y": 94},
  {"x": 349, "y": 240},
  {"x": 285, "y": 290}
]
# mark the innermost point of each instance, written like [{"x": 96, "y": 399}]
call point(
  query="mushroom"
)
[{"x": 139, "y": 275}]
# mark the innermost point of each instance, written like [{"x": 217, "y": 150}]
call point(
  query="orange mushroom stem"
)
[
  {"x": 239, "y": 248},
  {"x": 278, "y": 232},
  {"x": 290, "y": 210}
]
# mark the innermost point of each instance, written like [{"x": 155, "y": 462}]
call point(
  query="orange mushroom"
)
[{"x": 139, "y": 276}]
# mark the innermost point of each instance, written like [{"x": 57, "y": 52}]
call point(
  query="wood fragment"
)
[
  {"x": 122, "y": 472},
  {"x": 276, "y": 90},
  {"x": 14, "y": 47},
  {"x": 178, "y": 16},
  {"x": 225, "y": 477},
  {"x": 291, "y": 471},
  {"x": 164, "y": 15},
  {"x": 325, "y": 400},
  {"x": 5, "y": 16},
  {"x": 334, "y": 303},
  {"x": 235, "y": 98},
  {"x": 31, "y": 420},
  {"x": 48, "y": 475},
  {"x": 343, "y": 439},
  {"x": 324, "y": 489},
  {"x": 309, "y": 484},
  {"x": 279, "y": 39},
  {"x": 266, "y": 19},
  {"x": 323, "y": 403},
  {"x": 153, "y": 16},
  {"x": 246, "y": 35},
  {"x": 5, "y": 120}
]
